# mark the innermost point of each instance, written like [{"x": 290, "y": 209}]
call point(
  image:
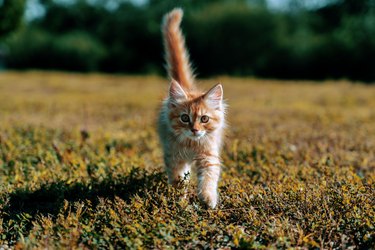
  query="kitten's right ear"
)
[
  {"x": 214, "y": 97},
  {"x": 176, "y": 93}
]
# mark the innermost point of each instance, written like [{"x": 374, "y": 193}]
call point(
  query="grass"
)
[{"x": 81, "y": 166}]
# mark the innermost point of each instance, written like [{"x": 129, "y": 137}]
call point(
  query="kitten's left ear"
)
[
  {"x": 214, "y": 97},
  {"x": 176, "y": 92}
]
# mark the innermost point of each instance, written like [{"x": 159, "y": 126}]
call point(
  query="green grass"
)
[{"x": 81, "y": 166}]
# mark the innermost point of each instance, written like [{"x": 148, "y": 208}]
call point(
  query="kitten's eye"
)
[
  {"x": 205, "y": 119},
  {"x": 185, "y": 118}
]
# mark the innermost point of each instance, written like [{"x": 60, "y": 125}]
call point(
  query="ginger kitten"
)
[{"x": 191, "y": 122}]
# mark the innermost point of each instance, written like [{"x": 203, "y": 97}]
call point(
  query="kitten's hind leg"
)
[{"x": 208, "y": 170}]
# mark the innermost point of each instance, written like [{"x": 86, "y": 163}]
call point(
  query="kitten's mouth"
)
[{"x": 196, "y": 136}]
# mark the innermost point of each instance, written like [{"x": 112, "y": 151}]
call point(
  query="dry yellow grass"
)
[{"x": 299, "y": 164}]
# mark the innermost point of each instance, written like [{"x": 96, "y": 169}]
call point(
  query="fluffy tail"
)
[{"x": 176, "y": 54}]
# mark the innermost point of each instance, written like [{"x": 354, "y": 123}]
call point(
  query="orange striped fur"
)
[
  {"x": 175, "y": 52},
  {"x": 191, "y": 122}
]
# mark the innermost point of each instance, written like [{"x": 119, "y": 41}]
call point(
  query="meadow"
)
[{"x": 81, "y": 166}]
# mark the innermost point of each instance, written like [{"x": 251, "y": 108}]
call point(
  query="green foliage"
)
[
  {"x": 224, "y": 37},
  {"x": 78, "y": 51},
  {"x": 221, "y": 31},
  {"x": 11, "y": 13},
  {"x": 81, "y": 166},
  {"x": 70, "y": 51}
]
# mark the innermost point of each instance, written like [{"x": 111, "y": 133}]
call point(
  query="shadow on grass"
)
[{"x": 49, "y": 199}]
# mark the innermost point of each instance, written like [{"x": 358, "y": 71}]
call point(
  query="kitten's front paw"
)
[{"x": 210, "y": 198}]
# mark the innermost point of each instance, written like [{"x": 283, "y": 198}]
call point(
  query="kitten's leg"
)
[
  {"x": 208, "y": 170},
  {"x": 178, "y": 171}
]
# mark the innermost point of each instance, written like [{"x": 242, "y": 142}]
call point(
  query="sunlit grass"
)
[{"x": 80, "y": 166}]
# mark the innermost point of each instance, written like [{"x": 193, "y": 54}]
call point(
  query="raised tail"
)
[{"x": 176, "y": 55}]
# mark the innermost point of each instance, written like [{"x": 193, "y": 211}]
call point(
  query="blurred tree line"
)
[
  {"x": 238, "y": 37},
  {"x": 10, "y": 15}
]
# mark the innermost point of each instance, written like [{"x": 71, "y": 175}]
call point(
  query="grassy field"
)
[{"x": 81, "y": 166}]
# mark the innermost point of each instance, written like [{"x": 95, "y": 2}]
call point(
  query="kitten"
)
[{"x": 191, "y": 122}]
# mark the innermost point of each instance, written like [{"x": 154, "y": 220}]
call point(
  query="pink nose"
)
[{"x": 194, "y": 130}]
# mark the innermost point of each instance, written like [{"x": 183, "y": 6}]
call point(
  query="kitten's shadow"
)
[{"x": 49, "y": 199}]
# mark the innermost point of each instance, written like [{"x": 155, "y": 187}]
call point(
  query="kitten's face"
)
[{"x": 195, "y": 117}]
